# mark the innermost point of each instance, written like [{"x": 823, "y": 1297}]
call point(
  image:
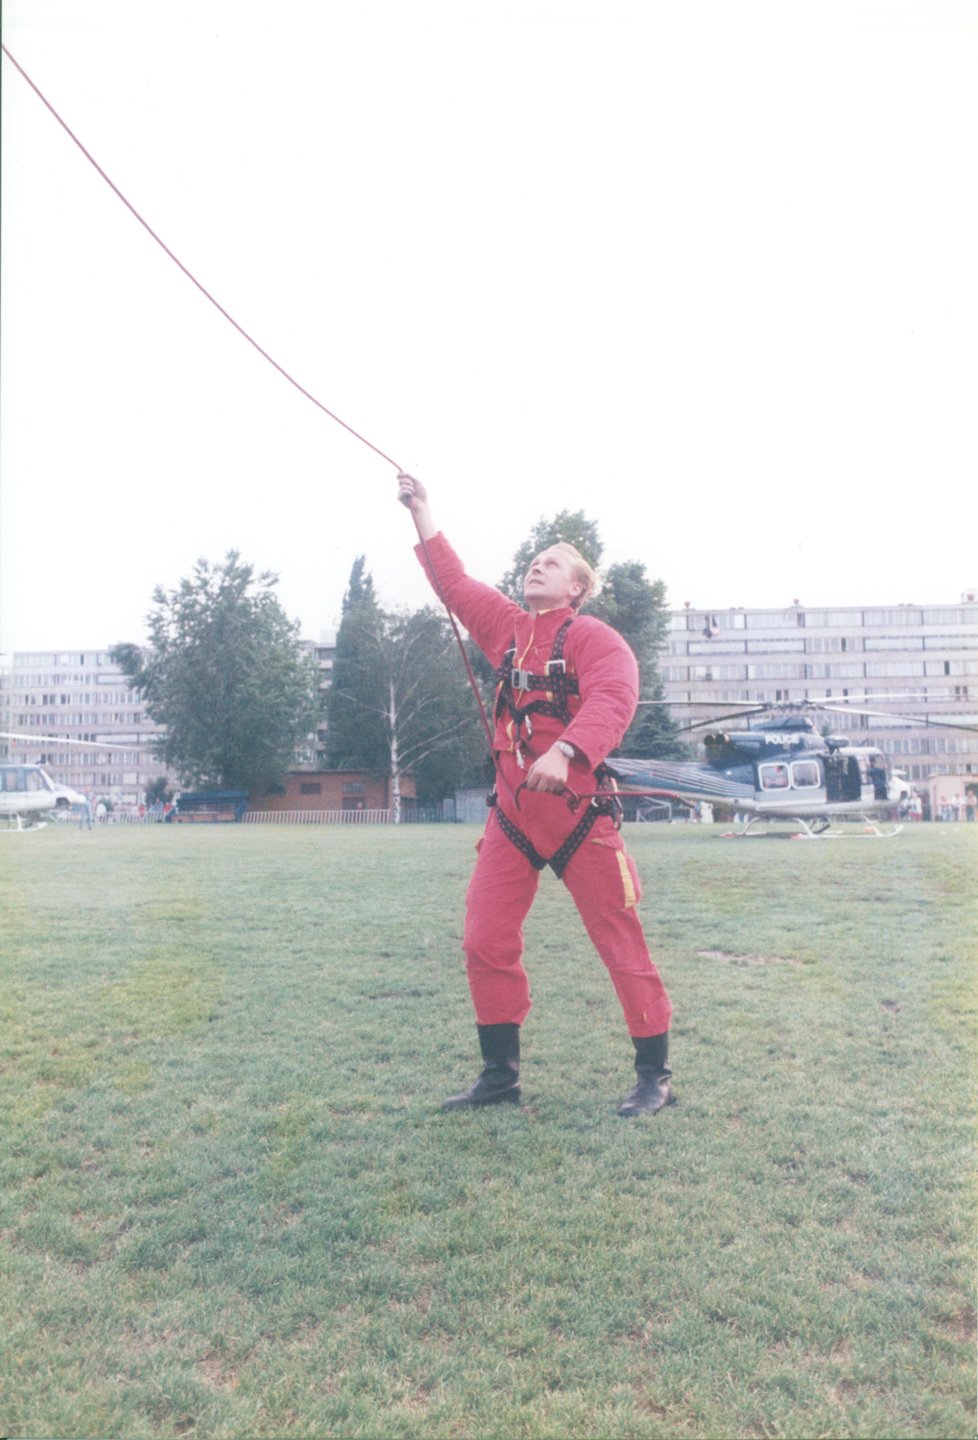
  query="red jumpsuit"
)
[{"x": 601, "y": 875}]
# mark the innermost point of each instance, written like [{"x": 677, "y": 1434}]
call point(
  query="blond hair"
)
[{"x": 584, "y": 574}]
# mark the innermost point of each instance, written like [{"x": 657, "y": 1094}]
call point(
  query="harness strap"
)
[
  {"x": 607, "y": 804},
  {"x": 560, "y": 861},
  {"x": 555, "y": 681},
  {"x": 521, "y": 841}
]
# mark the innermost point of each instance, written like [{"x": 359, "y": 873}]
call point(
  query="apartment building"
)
[
  {"x": 80, "y": 695},
  {"x": 83, "y": 695},
  {"x": 312, "y": 755},
  {"x": 918, "y": 661}
]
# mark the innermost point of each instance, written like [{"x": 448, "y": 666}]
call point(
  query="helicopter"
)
[
  {"x": 781, "y": 768},
  {"x": 29, "y": 797}
]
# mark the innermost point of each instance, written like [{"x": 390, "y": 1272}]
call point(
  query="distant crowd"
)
[
  {"x": 958, "y": 807},
  {"x": 92, "y": 812}
]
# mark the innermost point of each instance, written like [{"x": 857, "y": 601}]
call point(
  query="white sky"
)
[{"x": 705, "y": 270}]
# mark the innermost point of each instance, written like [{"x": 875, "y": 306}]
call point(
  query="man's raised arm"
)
[{"x": 413, "y": 495}]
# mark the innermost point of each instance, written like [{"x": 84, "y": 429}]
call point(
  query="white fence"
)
[{"x": 317, "y": 817}]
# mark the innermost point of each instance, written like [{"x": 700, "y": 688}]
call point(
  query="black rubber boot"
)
[
  {"x": 653, "y": 1092},
  {"x": 499, "y": 1082}
]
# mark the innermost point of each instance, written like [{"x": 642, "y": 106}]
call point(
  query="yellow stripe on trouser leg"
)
[{"x": 628, "y": 884}]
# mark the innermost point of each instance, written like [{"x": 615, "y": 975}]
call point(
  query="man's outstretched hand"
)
[
  {"x": 414, "y": 496},
  {"x": 410, "y": 490}
]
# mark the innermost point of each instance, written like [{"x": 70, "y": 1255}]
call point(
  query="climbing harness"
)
[
  {"x": 555, "y": 680},
  {"x": 557, "y": 684},
  {"x": 603, "y": 802}
]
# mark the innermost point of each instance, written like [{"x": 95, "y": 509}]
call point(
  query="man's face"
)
[{"x": 550, "y": 582}]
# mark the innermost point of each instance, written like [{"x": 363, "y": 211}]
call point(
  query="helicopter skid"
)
[
  {"x": 820, "y": 829},
  {"x": 16, "y": 824}
]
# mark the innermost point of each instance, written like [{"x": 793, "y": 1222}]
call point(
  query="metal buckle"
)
[
  {"x": 547, "y": 669},
  {"x": 519, "y": 679}
]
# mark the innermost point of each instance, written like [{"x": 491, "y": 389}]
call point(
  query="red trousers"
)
[{"x": 603, "y": 881}]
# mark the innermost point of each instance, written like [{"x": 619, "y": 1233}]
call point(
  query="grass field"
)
[{"x": 232, "y": 1207}]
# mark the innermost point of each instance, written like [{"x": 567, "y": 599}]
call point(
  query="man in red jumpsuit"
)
[{"x": 568, "y": 692}]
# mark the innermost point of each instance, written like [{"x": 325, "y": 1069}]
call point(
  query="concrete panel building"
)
[
  {"x": 80, "y": 695},
  {"x": 918, "y": 660}
]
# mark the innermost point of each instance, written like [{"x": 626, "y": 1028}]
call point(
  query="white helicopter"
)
[{"x": 29, "y": 798}]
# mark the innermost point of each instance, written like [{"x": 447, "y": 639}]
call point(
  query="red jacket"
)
[{"x": 606, "y": 669}]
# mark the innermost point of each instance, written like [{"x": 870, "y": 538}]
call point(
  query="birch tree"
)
[{"x": 401, "y": 699}]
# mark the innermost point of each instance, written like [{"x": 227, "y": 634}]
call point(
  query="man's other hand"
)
[{"x": 549, "y": 773}]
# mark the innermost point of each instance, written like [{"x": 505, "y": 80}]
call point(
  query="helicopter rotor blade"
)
[
  {"x": 61, "y": 740},
  {"x": 830, "y": 704},
  {"x": 901, "y": 719},
  {"x": 734, "y": 715},
  {"x": 706, "y": 704}
]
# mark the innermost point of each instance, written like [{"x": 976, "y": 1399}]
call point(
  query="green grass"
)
[{"x": 230, "y": 1205}]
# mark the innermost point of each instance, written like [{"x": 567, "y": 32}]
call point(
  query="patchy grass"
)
[{"x": 230, "y": 1204}]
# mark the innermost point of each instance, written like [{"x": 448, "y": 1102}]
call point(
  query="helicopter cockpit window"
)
[
  {"x": 33, "y": 780},
  {"x": 774, "y": 777},
  {"x": 15, "y": 778},
  {"x": 804, "y": 775}
]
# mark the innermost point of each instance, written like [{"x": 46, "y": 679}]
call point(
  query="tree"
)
[
  {"x": 159, "y": 790},
  {"x": 399, "y": 700},
  {"x": 224, "y": 674},
  {"x": 633, "y": 605},
  {"x": 636, "y": 607},
  {"x": 355, "y": 734}
]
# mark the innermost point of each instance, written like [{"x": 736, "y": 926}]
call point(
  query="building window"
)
[
  {"x": 945, "y": 617},
  {"x": 310, "y": 787},
  {"x": 835, "y": 619},
  {"x": 770, "y": 619}
]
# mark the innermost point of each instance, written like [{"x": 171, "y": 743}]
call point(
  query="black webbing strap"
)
[
  {"x": 555, "y": 681},
  {"x": 521, "y": 841},
  {"x": 559, "y": 861}
]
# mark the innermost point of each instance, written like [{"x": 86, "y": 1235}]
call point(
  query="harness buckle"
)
[
  {"x": 520, "y": 679},
  {"x": 558, "y": 667}
]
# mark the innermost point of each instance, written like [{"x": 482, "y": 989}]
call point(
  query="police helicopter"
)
[
  {"x": 29, "y": 797},
  {"x": 782, "y": 768}
]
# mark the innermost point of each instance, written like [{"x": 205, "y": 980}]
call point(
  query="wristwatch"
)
[{"x": 565, "y": 748}]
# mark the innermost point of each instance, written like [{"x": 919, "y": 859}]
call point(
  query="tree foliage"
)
[
  {"x": 225, "y": 675},
  {"x": 159, "y": 790},
  {"x": 356, "y": 738},
  {"x": 636, "y": 607},
  {"x": 398, "y": 699}
]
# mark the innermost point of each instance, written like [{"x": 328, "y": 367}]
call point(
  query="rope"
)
[
  {"x": 280, "y": 368},
  {"x": 191, "y": 277},
  {"x": 459, "y": 641}
]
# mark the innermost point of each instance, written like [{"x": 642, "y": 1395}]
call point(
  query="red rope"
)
[
  {"x": 459, "y": 641},
  {"x": 281, "y": 369},
  {"x": 179, "y": 263}
]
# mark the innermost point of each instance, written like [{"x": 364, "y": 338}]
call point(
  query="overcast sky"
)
[{"x": 703, "y": 270}]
